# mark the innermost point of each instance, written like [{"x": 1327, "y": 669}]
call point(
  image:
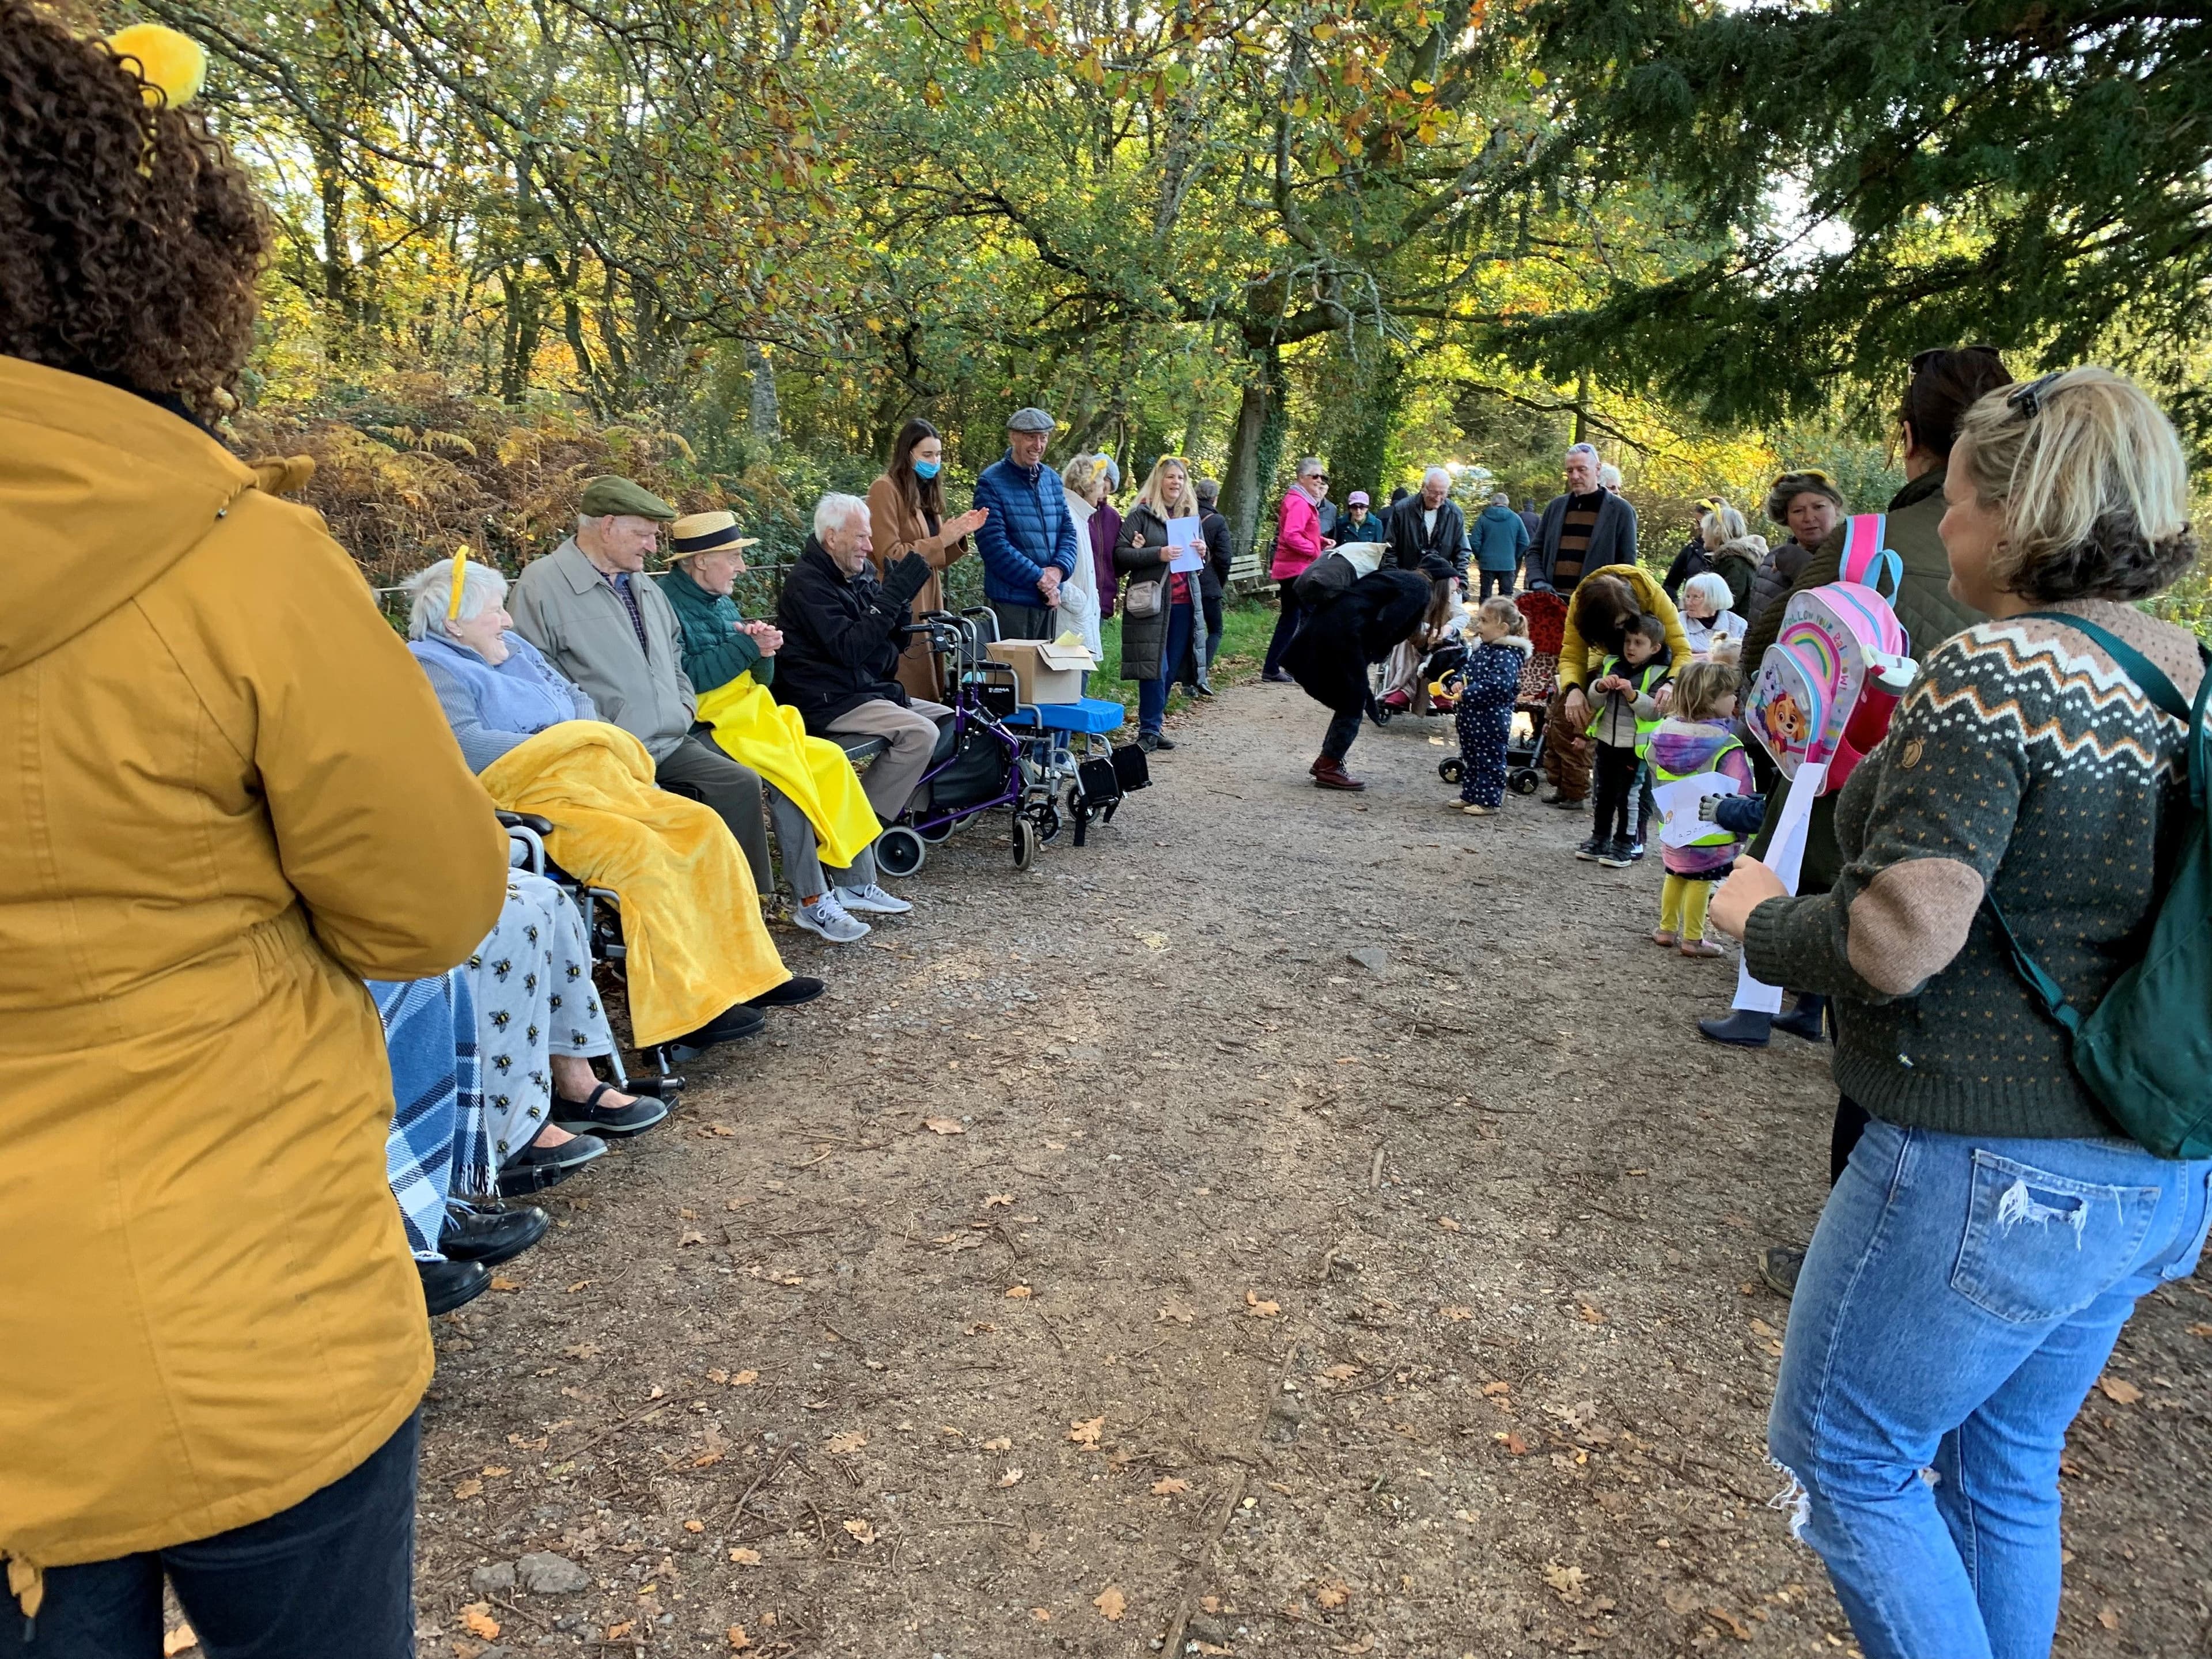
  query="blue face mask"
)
[{"x": 926, "y": 469}]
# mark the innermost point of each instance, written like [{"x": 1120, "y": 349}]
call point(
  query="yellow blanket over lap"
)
[
  {"x": 755, "y": 730},
  {"x": 692, "y": 933}
]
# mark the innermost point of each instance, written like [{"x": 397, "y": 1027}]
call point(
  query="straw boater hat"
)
[{"x": 707, "y": 532}]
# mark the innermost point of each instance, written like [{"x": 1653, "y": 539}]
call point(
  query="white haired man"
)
[
  {"x": 1586, "y": 527},
  {"x": 842, "y": 633},
  {"x": 589, "y": 607},
  {"x": 1429, "y": 522}
]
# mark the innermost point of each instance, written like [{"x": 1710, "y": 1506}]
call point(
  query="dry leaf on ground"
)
[
  {"x": 991, "y": 1200},
  {"x": 1042, "y": 1615},
  {"x": 944, "y": 1126},
  {"x": 1012, "y": 1477},
  {"x": 1735, "y": 1627},
  {"x": 476, "y": 1620},
  {"x": 845, "y": 1444},
  {"x": 1001, "y": 1443},
  {"x": 180, "y": 1640},
  {"x": 743, "y": 1379},
  {"x": 1567, "y": 1580},
  {"x": 1448, "y": 1223},
  {"x": 1590, "y": 1316},
  {"x": 1168, "y": 1485},
  {"x": 862, "y": 1528},
  {"x": 1085, "y": 1431},
  {"x": 616, "y": 1632},
  {"x": 501, "y": 1282},
  {"x": 745, "y": 1558},
  {"x": 1020, "y": 1292},
  {"x": 2119, "y": 1390},
  {"x": 1258, "y": 1309},
  {"x": 1177, "y": 1312},
  {"x": 1342, "y": 1373},
  {"x": 1496, "y": 1390},
  {"x": 1111, "y": 1602},
  {"x": 1332, "y": 1595},
  {"x": 1457, "y": 1315},
  {"x": 1513, "y": 1443},
  {"x": 738, "y": 1640},
  {"x": 697, "y": 1526},
  {"x": 471, "y": 1487},
  {"x": 2109, "y": 1617}
]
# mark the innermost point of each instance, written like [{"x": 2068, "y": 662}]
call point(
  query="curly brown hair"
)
[{"x": 130, "y": 240}]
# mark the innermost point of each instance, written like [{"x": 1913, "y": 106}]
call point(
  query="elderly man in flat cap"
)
[
  {"x": 589, "y": 606},
  {"x": 1028, "y": 542}
]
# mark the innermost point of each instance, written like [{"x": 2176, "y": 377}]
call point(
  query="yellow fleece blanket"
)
[
  {"x": 694, "y": 940},
  {"x": 755, "y": 730}
]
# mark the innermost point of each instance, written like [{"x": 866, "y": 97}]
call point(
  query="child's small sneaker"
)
[
  {"x": 1614, "y": 855},
  {"x": 1474, "y": 811},
  {"x": 1701, "y": 947},
  {"x": 1664, "y": 936},
  {"x": 1591, "y": 850},
  {"x": 1635, "y": 852}
]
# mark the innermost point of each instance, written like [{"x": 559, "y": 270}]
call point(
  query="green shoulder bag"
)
[{"x": 2145, "y": 1051}]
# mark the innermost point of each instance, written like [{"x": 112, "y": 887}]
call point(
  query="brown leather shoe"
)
[{"x": 1330, "y": 775}]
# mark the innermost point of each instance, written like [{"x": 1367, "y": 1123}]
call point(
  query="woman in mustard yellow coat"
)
[{"x": 227, "y": 797}]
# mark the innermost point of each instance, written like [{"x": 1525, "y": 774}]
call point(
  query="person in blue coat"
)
[
  {"x": 1500, "y": 538},
  {"x": 1028, "y": 542}
]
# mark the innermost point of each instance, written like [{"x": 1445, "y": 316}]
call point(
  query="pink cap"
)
[{"x": 1357, "y": 498}]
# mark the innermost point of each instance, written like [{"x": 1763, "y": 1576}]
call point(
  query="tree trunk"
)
[
  {"x": 1240, "y": 489},
  {"x": 764, "y": 418},
  {"x": 1582, "y": 402}
]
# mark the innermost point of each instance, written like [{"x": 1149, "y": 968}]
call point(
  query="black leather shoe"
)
[
  {"x": 1808, "y": 1019},
  {"x": 535, "y": 1168},
  {"x": 479, "y": 1233},
  {"x": 794, "y": 991},
  {"x": 1744, "y": 1028},
  {"x": 589, "y": 1117},
  {"x": 731, "y": 1024},
  {"x": 449, "y": 1285}
]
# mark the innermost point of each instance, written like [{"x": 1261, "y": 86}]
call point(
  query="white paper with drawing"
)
[
  {"x": 1182, "y": 532},
  {"x": 1683, "y": 802}
]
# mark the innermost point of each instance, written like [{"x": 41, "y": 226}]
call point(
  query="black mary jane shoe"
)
[
  {"x": 479, "y": 1232},
  {"x": 799, "y": 988},
  {"x": 535, "y": 1168},
  {"x": 587, "y": 1117},
  {"x": 449, "y": 1285}
]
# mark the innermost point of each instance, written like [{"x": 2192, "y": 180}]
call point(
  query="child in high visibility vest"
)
[
  {"x": 1692, "y": 741},
  {"x": 1626, "y": 716}
]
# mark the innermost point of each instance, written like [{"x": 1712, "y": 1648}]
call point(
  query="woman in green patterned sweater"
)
[{"x": 1993, "y": 1229}]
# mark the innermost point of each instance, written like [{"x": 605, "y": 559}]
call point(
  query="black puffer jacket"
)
[
  {"x": 1361, "y": 625},
  {"x": 1777, "y": 575},
  {"x": 841, "y": 635}
]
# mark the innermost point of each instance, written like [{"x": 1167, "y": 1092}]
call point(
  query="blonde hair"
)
[
  {"x": 1751, "y": 542},
  {"x": 431, "y": 589},
  {"x": 1723, "y": 524},
  {"x": 1503, "y": 609},
  {"x": 2093, "y": 482},
  {"x": 1701, "y": 687},
  {"x": 1150, "y": 495}
]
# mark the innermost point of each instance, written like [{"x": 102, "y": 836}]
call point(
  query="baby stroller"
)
[
  {"x": 1545, "y": 613},
  {"x": 1441, "y": 671},
  {"x": 976, "y": 766}
]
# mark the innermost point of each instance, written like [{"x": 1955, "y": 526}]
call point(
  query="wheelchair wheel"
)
[
  {"x": 1048, "y": 823},
  {"x": 1026, "y": 843},
  {"x": 937, "y": 836},
  {"x": 1525, "y": 781},
  {"x": 900, "y": 851},
  {"x": 1452, "y": 770}
]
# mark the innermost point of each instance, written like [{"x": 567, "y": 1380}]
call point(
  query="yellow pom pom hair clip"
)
[
  {"x": 173, "y": 66},
  {"x": 460, "y": 571}
]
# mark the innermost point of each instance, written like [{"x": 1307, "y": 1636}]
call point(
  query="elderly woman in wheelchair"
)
[{"x": 698, "y": 959}]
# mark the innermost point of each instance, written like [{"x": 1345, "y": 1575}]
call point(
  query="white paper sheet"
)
[
  {"x": 1786, "y": 856},
  {"x": 1681, "y": 801},
  {"x": 1182, "y": 532}
]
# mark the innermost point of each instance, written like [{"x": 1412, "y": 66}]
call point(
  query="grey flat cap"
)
[
  {"x": 620, "y": 497},
  {"x": 1030, "y": 420}
]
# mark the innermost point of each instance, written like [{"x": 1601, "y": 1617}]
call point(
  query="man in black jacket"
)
[
  {"x": 1586, "y": 529},
  {"x": 1429, "y": 524},
  {"x": 842, "y": 633},
  {"x": 1213, "y": 575}
]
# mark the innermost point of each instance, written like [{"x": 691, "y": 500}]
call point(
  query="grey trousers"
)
[
  {"x": 802, "y": 851},
  {"x": 733, "y": 791},
  {"x": 890, "y": 778}
]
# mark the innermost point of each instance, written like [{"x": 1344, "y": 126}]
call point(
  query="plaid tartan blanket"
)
[{"x": 438, "y": 1143}]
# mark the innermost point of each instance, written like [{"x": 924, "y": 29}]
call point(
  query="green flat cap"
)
[{"x": 613, "y": 496}]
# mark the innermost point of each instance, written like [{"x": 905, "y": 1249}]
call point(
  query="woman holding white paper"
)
[{"x": 1159, "y": 548}]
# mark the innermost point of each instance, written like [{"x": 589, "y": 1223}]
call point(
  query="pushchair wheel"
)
[
  {"x": 900, "y": 851},
  {"x": 1048, "y": 822},
  {"x": 1525, "y": 780},
  {"x": 1026, "y": 843},
  {"x": 1452, "y": 770}
]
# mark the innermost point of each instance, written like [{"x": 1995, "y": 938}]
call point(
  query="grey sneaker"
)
[
  {"x": 871, "y": 897},
  {"x": 829, "y": 919},
  {"x": 1779, "y": 1266}
]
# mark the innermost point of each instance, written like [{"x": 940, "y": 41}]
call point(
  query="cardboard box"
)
[{"x": 1045, "y": 671}]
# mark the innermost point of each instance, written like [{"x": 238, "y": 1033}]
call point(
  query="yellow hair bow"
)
[
  {"x": 460, "y": 569},
  {"x": 173, "y": 66}
]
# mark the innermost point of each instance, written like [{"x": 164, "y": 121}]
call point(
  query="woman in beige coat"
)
[
  {"x": 906, "y": 514},
  {"x": 227, "y": 797}
]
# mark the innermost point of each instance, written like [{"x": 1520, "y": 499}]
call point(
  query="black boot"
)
[
  {"x": 449, "y": 1285},
  {"x": 1807, "y": 1019},
  {"x": 1744, "y": 1028},
  {"x": 480, "y": 1232}
]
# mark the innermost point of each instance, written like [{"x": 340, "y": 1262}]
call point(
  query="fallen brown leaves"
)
[
  {"x": 1019, "y": 1293},
  {"x": 1168, "y": 1485},
  {"x": 180, "y": 1640},
  {"x": 845, "y": 1444},
  {"x": 862, "y": 1529},
  {"x": 1111, "y": 1604},
  {"x": 476, "y": 1620},
  {"x": 1257, "y": 1308},
  {"x": 1332, "y": 1596},
  {"x": 745, "y": 1558},
  {"x": 1734, "y": 1625},
  {"x": 944, "y": 1126},
  {"x": 1085, "y": 1431},
  {"x": 2119, "y": 1390}
]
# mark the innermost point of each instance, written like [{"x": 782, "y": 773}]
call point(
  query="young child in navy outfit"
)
[{"x": 1484, "y": 717}]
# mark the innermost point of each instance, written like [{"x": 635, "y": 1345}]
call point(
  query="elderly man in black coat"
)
[
  {"x": 1361, "y": 625},
  {"x": 1429, "y": 525}
]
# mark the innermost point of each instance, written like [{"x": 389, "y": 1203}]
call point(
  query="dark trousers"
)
[
  {"x": 1496, "y": 582},
  {"x": 332, "y": 1576},
  {"x": 1152, "y": 693},
  {"x": 1851, "y": 1123},
  {"x": 1336, "y": 742},
  {"x": 1292, "y": 617},
  {"x": 734, "y": 792},
  {"x": 1025, "y": 622},
  {"x": 1212, "y": 603},
  {"x": 1613, "y": 790}
]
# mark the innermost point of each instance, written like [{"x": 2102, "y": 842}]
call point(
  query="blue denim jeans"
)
[
  {"x": 1152, "y": 695},
  {"x": 1960, "y": 1297},
  {"x": 333, "y": 1577}
]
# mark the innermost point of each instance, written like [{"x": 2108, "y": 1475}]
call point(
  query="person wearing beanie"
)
[{"x": 1808, "y": 502}]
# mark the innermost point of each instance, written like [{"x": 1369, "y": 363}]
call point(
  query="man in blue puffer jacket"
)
[{"x": 1028, "y": 542}]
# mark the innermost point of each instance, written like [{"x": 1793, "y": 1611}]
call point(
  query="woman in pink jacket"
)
[{"x": 1298, "y": 543}]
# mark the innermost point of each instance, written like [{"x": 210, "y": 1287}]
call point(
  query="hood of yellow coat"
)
[{"x": 101, "y": 493}]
